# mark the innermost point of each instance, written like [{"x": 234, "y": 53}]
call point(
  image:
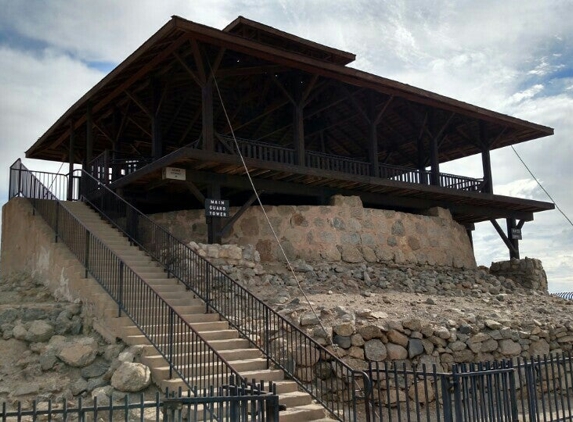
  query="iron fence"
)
[
  {"x": 189, "y": 356},
  {"x": 237, "y": 403},
  {"x": 564, "y": 295},
  {"x": 285, "y": 345},
  {"x": 531, "y": 390}
]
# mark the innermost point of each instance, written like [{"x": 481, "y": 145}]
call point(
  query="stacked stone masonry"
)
[
  {"x": 528, "y": 271},
  {"x": 345, "y": 231}
]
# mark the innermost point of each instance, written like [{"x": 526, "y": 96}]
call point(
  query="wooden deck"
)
[{"x": 274, "y": 170}]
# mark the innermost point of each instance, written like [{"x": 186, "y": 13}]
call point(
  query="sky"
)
[{"x": 514, "y": 57}]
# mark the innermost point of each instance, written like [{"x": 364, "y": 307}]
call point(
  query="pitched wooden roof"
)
[{"x": 253, "y": 62}]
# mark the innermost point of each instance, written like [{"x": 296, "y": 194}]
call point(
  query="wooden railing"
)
[
  {"x": 329, "y": 162},
  {"x": 107, "y": 170},
  {"x": 256, "y": 150},
  {"x": 460, "y": 182},
  {"x": 110, "y": 166},
  {"x": 403, "y": 174}
]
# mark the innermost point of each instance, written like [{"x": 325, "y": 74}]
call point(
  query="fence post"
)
[
  {"x": 57, "y": 222},
  {"x": 513, "y": 394},
  {"x": 267, "y": 334},
  {"x": 19, "y": 179},
  {"x": 207, "y": 285},
  {"x": 171, "y": 320},
  {"x": 446, "y": 398},
  {"x": 457, "y": 394},
  {"x": 272, "y": 408},
  {"x": 121, "y": 277},
  {"x": 531, "y": 390},
  {"x": 87, "y": 254},
  {"x": 367, "y": 382}
]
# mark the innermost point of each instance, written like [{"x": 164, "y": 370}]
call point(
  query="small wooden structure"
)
[{"x": 308, "y": 126}]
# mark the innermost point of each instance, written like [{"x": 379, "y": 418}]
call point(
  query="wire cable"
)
[
  {"x": 289, "y": 265},
  {"x": 541, "y": 186}
]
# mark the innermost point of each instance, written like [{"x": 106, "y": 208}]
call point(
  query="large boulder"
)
[
  {"x": 396, "y": 352},
  {"x": 509, "y": 347},
  {"x": 131, "y": 377},
  {"x": 39, "y": 332},
  {"x": 539, "y": 348},
  {"x": 375, "y": 350},
  {"x": 79, "y": 352}
]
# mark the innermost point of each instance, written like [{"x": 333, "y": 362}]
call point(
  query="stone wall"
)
[
  {"x": 362, "y": 336},
  {"x": 529, "y": 272},
  {"x": 345, "y": 231}
]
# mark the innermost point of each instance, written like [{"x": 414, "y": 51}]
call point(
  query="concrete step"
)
[
  {"x": 198, "y": 326},
  {"x": 218, "y": 345},
  {"x": 229, "y": 355},
  {"x": 201, "y": 382},
  {"x": 178, "y": 293},
  {"x": 295, "y": 398},
  {"x": 286, "y": 386},
  {"x": 194, "y": 370},
  {"x": 160, "y": 338},
  {"x": 193, "y": 318},
  {"x": 309, "y": 412}
]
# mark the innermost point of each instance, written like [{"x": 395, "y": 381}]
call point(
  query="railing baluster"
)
[{"x": 87, "y": 254}]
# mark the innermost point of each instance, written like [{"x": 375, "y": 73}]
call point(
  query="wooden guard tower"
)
[{"x": 156, "y": 131}]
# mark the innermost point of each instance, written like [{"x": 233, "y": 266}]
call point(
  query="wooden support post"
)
[
  {"x": 298, "y": 121},
  {"x": 469, "y": 230},
  {"x": 434, "y": 162},
  {"x": 373, "y": 138},
  {"x": 422, "y": 161},
  {"x": 511, "y": 246},
  {"x": 195, "y": 191},
  {"x": 156, "y": 141},
  {"x": 115, "y": 171},
  {"x": 485, "y": 159},
  {"x": 239, "y": 213},
  {"x": 207, "y": 109},
  {"x": 71, "y": 154},
  {"x": 214, "y": 223},
  {"x": 514, "y": 251},
  {"x": 89, "y": 135}
]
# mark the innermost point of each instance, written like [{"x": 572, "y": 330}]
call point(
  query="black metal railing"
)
[
  {"x": 188, "y": 354},
  {"x": 564, "y": 295},
  {"x": 237, "y": 403},
  {"x": 521, "y": 390},
  {"x": 284, "y": 344},
  {"x": 242, "y": 402},
  {"x": 41, "y": 184}
]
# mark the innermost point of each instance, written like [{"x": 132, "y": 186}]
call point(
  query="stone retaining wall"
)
[
  {"x": 345, "y": 231},
  {"x": 529, "y": 272}
]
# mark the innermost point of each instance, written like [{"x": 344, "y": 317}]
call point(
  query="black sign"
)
[
  {"x": 216, "y": 208},
  {"x": 516, "y": 234}
]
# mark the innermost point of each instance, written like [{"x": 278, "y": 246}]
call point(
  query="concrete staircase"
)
[{"x": 245, "y": 359}]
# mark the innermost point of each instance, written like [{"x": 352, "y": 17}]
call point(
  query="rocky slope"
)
[{"x": 48, "y": 350}]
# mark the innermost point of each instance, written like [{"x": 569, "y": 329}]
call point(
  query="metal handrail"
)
[
  {"x": 158, "y": 321},
  {"x": 282, "y": 342}
]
